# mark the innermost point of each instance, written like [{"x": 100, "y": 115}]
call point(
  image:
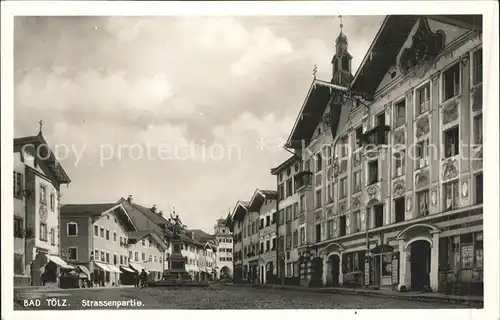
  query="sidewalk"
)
[
  {"x": 50, "y": 289},
  {"x": 472, "y": 301}
]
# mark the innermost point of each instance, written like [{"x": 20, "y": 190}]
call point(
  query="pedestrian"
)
[
  {"x": 144, "y": 278},
  {"x": 137, "y": 279}
]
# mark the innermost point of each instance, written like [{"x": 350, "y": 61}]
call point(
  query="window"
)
[
  {"x": 422, "y": 153},
  {"x": 43, "y": 232},
  {"x": 330, "y": 228},
  {"x": 358, "y": 137},
  {"x": 422, "y": 203},
  {"x": 378, "y": 212},
  {"x": 43, "y": 195},
  {"x": 114, "y": 236},
  {"x": 478, "y": 129},
  {"x": 451, "y": 82},
  {"x": 107, "y": 234},
  {"x": 254, "y": 227},
  {"x": 143, "y": 242},
  {"x": 343, "y": 188},
  {"x": 302, "y": 236},
  {"x": 268, "y": 245},
  {"x": 103, "y": 256},
  {"x": 399, "y": 159},
  {"x": 72, "y": 253},
  {"x": 319, "y": 162},
  {"x": 295, "y": 210},
  {"x": 318, "y": 232},
  {"x": 400, "y": 113},
  {"x": 451, "y": 195},
  {"x": 150, "y": 258},
  {"x": 102, "y": 233},
  {"x": 329, "y": 193},
  {"x": 479, "y": 188},
  {"x": 130, "y": 255},
  {"x": 96, "y": 255},
  {"x": 261, "y": 223},
  {"x": 281, "y": 191},
  {"x": 52, "y": 202},
  {"x": 18, "y": 228},
  {"x": 107, "y": 257},
  {"x": 318, "y": 198},
  {"x": 302, "y": 203},
  {"x": 289, "y": 187},
  {"x": 451, "y": 146},
  {"x": 356, "y": 221},
  {"x": 345, "y": 63},
  {"x": 52, "y": 237},
  {"x": 288, "y": 214},
  {"x": 96, "y": 231},
  {"x": 373, "y": 172},
  {"x": 381, "y": 119},
  {"x": 295, "y": 238},
  {"x": 18, "y": 185},
  {"x": 356, "y": 181},
  {"x": 477, "y": 67},
  {"x": 230, "y": 250},
  {"x": 329, "y": 151},
  {"x": 72, "y": 229},
  {"x": 143, "y": 256},
  {"x": 115, "y": 259},
  {"x": 399, "y": 209},
  {"x": 423, "y": 99},
  {"x": 268, "y": 221},
  {"x": 342, "y": 226},
  {"x": 121, "y": 259},
  {"x": 136, "y": 256}
]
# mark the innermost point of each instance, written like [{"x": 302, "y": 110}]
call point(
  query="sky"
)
[{"x": 185, "y": 113}]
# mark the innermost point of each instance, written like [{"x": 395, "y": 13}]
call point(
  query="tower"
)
[{"x": 341, "y": 62}]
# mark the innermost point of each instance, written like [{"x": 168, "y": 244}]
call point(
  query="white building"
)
[{"x": 224, "y": 261}]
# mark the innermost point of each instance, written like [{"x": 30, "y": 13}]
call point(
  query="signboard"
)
[
  {"x": 395, "y": 269},
  {"x": 467, "y": 256},
  {"x": 367, "y": 273}
]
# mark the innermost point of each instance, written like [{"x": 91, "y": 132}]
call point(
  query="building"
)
[
  {"x": 405, "y": 178},
  {"x": 146, "y": 250},
  {"x": 205, "y": 264},
  {"x": 224, "y": 239},
  {"x": 290, "y": 215},
  {"x": 95, "y": 238},
  {"x": 239, "y": 211},
  {"x": 38, "y": 177}
]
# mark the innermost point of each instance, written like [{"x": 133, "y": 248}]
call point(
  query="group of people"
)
[{"x": 141, "y": 279}]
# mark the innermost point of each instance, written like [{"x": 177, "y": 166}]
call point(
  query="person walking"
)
[{"x": 144, "y": 278}]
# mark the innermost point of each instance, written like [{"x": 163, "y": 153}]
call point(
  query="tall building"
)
[
  {"x": 224, "y": 240},
  {"x": 239, "y": 211},
  {"x": 38, "y": 177},
  {"x": 394, "y": 161}
]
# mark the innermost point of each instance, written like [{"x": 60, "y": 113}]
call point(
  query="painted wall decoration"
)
[
  {"x": 477, "y": 97},
  {"x": 422, "y": 126},
  {"x": 317, "y": 215},
  {"x": 434, "y": 197},
  {"x": 356, "y": 202},
  {"x": 372, "y": 191},
  {"x": 342, "y": 207},
  {"x": 465, "y": 189},
  {"x": 422, "y": 179},
  {"x": 450, "y": 111},
  {"x": 399, "y": 136},
  {"x": 425, "y": 46},
  {"x": 449, "y": 169},
  {"x": 398, "y": 187}
]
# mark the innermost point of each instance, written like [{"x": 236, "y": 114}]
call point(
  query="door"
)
[
  {"x": 420, "y": 265},
  {"x": 334, "y": 262}
]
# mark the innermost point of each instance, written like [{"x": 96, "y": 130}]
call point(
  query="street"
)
[{"x": 213, "y": 297}]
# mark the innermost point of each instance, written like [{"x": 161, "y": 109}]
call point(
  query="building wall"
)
[
  {"x": 82, "y": 241},
  {"x": 20, "y": 214},
  {"x": 268, "y": 235},
  {"x": 154, "y": 254},
  {"x": 110, "y": 222}
]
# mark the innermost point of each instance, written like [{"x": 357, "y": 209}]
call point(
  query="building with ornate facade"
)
[
  {"x": 224, "y": 240},
  {"x": 392, "y": 161}
]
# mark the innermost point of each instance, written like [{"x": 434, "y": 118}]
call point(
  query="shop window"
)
[
  {"x": 378, "y": 213},
  {"x": 400, "y": 113},
  {"x": 422, "y": 153},
  {"x": 318, "y": 198},
  {"x": 372, "y": 172},
  {"x": 478, "y": 129},
  {"x": 477, "y": 67},
  {"x": 423, "y": 99},
  {"x": 318, "y": 232},
  {"x": 451, "y": 143},
  {"x": 399, "y": 209},
  {"x": 422, "y": 203},
  {"x": 342, "y": 226},
  {"x": 479, "y": 188},
  {"x": 451, "y": 195},
  {"x": 343, "y": 188},
  {"x": 399, "y": 159},
  {"x": 451, "y": 82}
]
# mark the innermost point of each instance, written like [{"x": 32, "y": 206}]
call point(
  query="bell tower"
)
[{"x": 341, "y": 62}]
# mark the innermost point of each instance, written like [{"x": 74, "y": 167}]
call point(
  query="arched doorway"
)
[
  {"x": 420, "y": 265},
  {"x": 334, "y": 270},
  {"x": 269, "y": 272},
  {"x": 225, "y": 273}
]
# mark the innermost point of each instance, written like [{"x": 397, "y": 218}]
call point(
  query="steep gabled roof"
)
[
  {"x": 201, "y": 235},
  {"x": 285, "y": 164},
  {"x": 143, "y": 219},
  {"x": 44, "y": 154},
  {"x": 258, "y": 198},
  {"x": 135, "y": 236},
  {"x": 99, "y": 209},
  {"x": 240, "y": 210}
]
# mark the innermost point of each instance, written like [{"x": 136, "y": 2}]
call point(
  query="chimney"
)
[
  {"x": 154, "y": 208},
  {"x": 130, "y": 199},
  {"x": 161, "y": 213}
]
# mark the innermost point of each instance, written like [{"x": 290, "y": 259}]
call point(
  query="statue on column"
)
[{"x": 179, "y": 227}]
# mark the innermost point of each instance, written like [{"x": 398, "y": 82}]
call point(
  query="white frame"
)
[
  {"x": 67, "y": 229},
  {"x": 76, "y": 253},
  {"x": 443, "y": 152},
  {"x": 441, "y": 80}
]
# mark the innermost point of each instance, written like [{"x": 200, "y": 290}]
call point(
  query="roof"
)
[
  {"x": 143, "y": 219},
  {"x": 312, "y": 111},
  {"x": 258, "y": 198},
  {"x": 239, "y": 211},
  {"x": 387, "y": 43},
  {"x": 140, "y": 234},
  {"x": 201, "y": 235},
  {"x": 287, "y": 163},
  {"x": 87, "y": 209},
  {"x": 46, "y": 155}
]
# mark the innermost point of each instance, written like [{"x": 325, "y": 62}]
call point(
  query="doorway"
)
[
  {"x": 420, "y": 265},
  {"x": 282, "y": 271},
  {"x": 334, "y": 263}
]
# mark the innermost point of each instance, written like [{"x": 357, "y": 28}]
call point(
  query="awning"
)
[
  {"x": 84, "y": 270},
  {"x": 114, "y": 268},
  {"x": 102, "y": 266},
  {"x": 137, "y": 267},
  {"x": 127, "y": 269},
  {"x": 59, "y": 262}
]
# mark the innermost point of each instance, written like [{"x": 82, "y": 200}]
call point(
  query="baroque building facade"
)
[
  {"x": 391, "y": 161},
  {"x": 224, "y": 240}
]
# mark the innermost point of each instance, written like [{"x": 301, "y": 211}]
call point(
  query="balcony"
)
[
  {"x": 303, "y": 179},
  {"x": 376, "y": 136}
]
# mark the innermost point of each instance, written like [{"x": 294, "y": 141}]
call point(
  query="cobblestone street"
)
[{"x": 216, "y": 297}]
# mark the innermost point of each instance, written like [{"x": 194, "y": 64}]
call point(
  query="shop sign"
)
[
  {"x": 367, "y": 273},
  {"x": 467, "y": 256},
  {"x": 395, "y": 269}
]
